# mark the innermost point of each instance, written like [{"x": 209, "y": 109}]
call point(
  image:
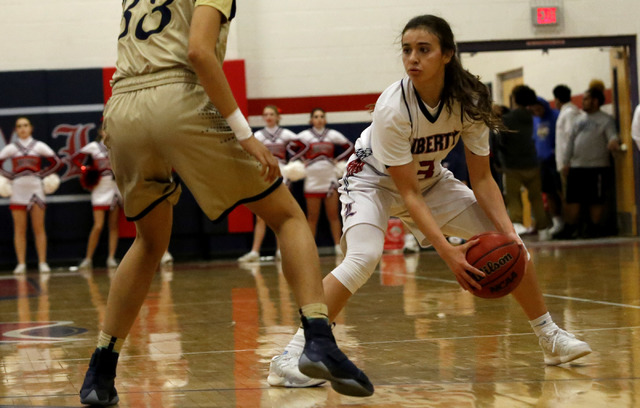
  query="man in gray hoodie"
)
[{"x": 587, "y": 166}]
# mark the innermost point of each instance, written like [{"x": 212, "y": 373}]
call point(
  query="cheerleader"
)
[
  {"x": 281, "y": 143},
  {"x": 105, "y": 197},
  {"x": 321, "y": 182},
  {"x": 32, "y": 160}
]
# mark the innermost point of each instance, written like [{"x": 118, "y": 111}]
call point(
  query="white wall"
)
[
  {"x": 303, "y": 47},
  {"x": 543, "y": 71}
]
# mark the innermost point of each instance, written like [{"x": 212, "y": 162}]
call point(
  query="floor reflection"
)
[{"x": 207, "y": 331}]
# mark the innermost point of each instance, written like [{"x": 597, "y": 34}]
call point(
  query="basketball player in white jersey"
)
[
  {"x": 321, "y": 182},
  {"x": 172, "y": 108},
  {"x": 105, "y": 198},
  {"x": 279, "y": 141},
  {"x": 396, "y": 171},
  {"x": 27, "y": 156}
]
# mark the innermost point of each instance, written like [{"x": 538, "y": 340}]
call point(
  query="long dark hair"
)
[{"x": 459, "y": 84}]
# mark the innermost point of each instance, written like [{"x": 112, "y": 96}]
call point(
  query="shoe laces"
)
[{"x": 556, "y": 334}]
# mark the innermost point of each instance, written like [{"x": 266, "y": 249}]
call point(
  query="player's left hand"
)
[
  {"x": 516, "y": 237},
  {"x": 270, "y": 168}
]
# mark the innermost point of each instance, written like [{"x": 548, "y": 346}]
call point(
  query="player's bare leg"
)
[
  {"x": 320, "y": 358},
  {"x": 558, "y": 346},
  {"x": 128, "y": 291},
  {"x": 300, "y": 262}
]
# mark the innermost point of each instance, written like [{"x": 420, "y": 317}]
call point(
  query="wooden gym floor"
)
[{"x": 207, "y": 331}]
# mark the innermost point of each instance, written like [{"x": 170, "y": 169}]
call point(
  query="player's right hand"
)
[
  {"x": 455, "y": 258},
  {"x": 270, "y": 169}
]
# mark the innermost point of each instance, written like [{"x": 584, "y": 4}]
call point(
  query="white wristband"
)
[{"x": 239, "y": 125}]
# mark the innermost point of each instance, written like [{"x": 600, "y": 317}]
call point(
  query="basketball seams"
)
[
  {"x": 501, "y": 280},
  {"x": 493, "y": 250}
]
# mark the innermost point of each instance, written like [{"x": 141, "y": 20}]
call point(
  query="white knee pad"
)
[{"x": 365, "y": 243}]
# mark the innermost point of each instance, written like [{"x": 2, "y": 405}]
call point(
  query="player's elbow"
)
[{"x": 198, "y": 55}]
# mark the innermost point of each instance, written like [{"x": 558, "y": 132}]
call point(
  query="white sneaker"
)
[
  {"x": 544, "y": 235},
  {"x": 166, "y": 258},
  {"x": 86, "y": 264},
  {"x": 411, "y": 244},
  {"x": 558, "y": 225},
  {"x": 561, "y": 347},
  {"x": 519, "y": 228},
  {"x": 278, "y": 255},
  {"x": 338, "y": 250},
  {"x": 20, "y": 269},
  {"x": 43, "y": 267},
  {"x": 112, "y": 263},
  {"x": 284, "y": 372},
  {"x": 252, "y": 256}
]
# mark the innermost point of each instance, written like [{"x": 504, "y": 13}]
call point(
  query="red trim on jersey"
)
[
  {"x": 101, "y": 208},
  {"x": 17, "y": 207},
  {"x": 330, "y": 103}
]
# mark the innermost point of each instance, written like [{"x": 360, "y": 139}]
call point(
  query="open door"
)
[{"x": 626, "y": 209}]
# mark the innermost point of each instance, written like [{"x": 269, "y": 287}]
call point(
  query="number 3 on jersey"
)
[
  {"x": 164, "y": 16},
  {"x": 426, "y": 170}
]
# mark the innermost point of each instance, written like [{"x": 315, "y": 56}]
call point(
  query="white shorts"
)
[
  {"x": 369, "y": 197},
  {"x": 321, "y": 179},
  {"x": 105, "y": 195},
  {"x": 27, "y": 190}
]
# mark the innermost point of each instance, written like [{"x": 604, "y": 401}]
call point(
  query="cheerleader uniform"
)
[
  {"x": 319, "y": 156},
  {"x": 27, "y": 157},
  {"x": 105, "y": 195}
]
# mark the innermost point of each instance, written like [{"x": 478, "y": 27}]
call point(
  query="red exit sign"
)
[{"x": 546, "y": 15}]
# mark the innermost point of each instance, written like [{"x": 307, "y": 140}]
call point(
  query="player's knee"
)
[{"x": 357, "y": 267}]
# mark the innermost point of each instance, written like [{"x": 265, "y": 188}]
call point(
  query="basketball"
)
[{"x": 501, "y": 259}]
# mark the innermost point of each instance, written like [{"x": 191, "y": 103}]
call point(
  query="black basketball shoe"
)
[{"x": 98, "y": 387}]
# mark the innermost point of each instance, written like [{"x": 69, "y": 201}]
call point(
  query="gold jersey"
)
[{"x": 154, "y": 35}]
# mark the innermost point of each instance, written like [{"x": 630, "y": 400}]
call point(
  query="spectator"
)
[
  {"x": 496, "y": 171},
  {"x": 635, "y": 127},
  {"x": 518, "y": 157},
  {"x": 544, "y": 134},
  {"x": 569, "y": 113},
  {"x": 587, "y": 165}
]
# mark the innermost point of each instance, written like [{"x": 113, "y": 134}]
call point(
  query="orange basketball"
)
[{"x": 501, "y": 259}]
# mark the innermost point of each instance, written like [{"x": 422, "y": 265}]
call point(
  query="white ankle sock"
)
[
  {"x": 543, "y": 324},
  {"x": 297, "y": 342}
]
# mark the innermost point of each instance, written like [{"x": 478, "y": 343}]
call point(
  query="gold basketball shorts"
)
[{"x": 163, "y": 124}]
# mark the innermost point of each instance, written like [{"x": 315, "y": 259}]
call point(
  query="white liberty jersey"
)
[
  {"x": 277, "y": 140},
  {"x": 404, "y": 130},
  {"x": 154, "y": 35}
]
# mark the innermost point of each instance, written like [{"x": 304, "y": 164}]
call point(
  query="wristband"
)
[{"x": 239, "y": 125}]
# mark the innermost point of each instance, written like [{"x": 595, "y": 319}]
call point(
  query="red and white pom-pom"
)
[
  {"x": 294, "y": 170},
  {"x": 51, "y": 183},
  {"x": 5, "y": 187},
  {"x": 341, "y": 166}
]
